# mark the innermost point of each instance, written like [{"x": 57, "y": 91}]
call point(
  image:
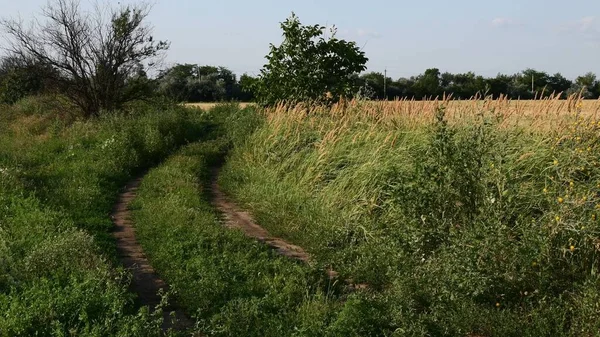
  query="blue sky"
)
[{"x": 406, "y": 37}]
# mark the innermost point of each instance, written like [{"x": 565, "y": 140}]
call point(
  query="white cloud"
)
[
  {"x": 587, "y": 28},
  {"x": 502, "y": 22}
]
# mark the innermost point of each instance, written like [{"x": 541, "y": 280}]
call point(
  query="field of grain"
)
[
  {"x": 210, "y": 105},
  {"x": 542, "y": 112}
]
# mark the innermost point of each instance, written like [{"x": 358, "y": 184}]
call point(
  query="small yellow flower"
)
[
  {"x": 497, "y": 305},
  {"x": 593, "y": 216},
  {"x": 533, "y": 264},
  {"x": 572, "y": 248},
  {"x": 555, "y": 162},
  {"x": 560, "y": 200},
  {"x": 557, "y": 218},
  {"x": 589, "y": 149},
  {"x": 545, "y": 190},
  {"x": 598, "y": 206},
  {"x": 571, "y": 183}
]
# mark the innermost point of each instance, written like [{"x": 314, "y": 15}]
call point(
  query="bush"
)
[{"x": 307, "y": 67}]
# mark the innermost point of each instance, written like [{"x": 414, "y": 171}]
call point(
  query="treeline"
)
[
  {"x": 527, "y": 84},
  {"x": 192, "y": 83},
  {"x": 195, "y": 83}
]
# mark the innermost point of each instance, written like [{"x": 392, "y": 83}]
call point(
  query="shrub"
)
[{"x": 309, "y": 67}]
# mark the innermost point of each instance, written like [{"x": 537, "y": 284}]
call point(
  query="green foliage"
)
[
  {"x": 192, "y": 83},
  {"x": 433, "y": 84},
  {"x": 308, "y": 66},
  {"x": 466, "y": 228},
  {"x": 233, "y": 285},
  {"x": 19, "y": 79},
  {"x": 58, "y": 183}
]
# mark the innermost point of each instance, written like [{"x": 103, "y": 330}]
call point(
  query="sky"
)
[{"x": 404, "y": 37}]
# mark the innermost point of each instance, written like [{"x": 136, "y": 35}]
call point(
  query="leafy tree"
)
[
  {"x": 463, "y": 85},
  {"x": 98, "y": 62},
  {"x": 406, "y": 87},
  {"x": 247, "y": 84},
  {"x": 587, "y": 85},
  {"x": 374, "y": 83},
  {"x": 497, "y": 86},
  {"x": 308, "y": 66},
  {"x": 428, "y": 84},
  {"x": 193, "y": 83},
  {"x": 559, "y": 84},
  {"x": 19, "y": 78},
  {"x": 174, "y": 82}
]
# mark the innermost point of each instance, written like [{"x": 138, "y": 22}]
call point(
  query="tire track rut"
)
[{"x": 146, "y": 283}]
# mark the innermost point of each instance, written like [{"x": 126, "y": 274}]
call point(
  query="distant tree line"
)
[
  {"x": 527, "y": 84},
  {"x": 192, "y": 83},
  {"x": 101, "y": 60}
]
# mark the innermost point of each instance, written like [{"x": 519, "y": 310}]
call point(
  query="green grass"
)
[
  {"x": 468, "y": 229},
  {"x": 458, "y": 229},
  {"x": 59, "y": 178},
  {"x": 231, "y": 284}
]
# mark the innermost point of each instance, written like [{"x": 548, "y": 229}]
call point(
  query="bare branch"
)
[{"x": 96, "y": 56}]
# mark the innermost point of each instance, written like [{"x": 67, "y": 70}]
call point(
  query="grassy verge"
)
[
  {"x": 233, "y": 285},
  {"x": 58, "y": 181},
  {"x": 481, "y": 226}
]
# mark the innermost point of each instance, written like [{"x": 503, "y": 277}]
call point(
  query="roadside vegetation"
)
[
  {"x": 59, "y": 179},
  {"x": 473, "y": 217},
  {"x": 478, "y": 223}
]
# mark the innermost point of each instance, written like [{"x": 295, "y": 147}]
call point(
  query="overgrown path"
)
[
  {"x": 236, "y": 218},
  {"x": 146, "y": 282}
]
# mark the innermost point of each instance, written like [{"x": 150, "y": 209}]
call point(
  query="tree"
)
[
  {"x": 499, "y": 85},
  {"x": 559, "y": 84},
  {"x": 428, "y": 84},
  {"x": 308, "y": 66},
  {"x": 587, "y": 85},
  {"x": 20, "y": 78},
  {"x": 174, "y": 82},
  {"x": 463, "y": 85},
  {"x": 98, "y": 61},
  {"x": 193, "y": 83},
  {"x": 246, "y": 84},
  {"x": 374, "y": 83}
]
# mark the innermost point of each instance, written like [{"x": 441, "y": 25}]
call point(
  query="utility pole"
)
[
  {"x": 532, "y": 89},
  {"x": 385, "y": 84}
]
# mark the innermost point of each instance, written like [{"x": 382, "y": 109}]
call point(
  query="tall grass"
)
[
  {"x": 59, "y": 178},
  {"x": 465, "y": 218},
  {"x": 232, "y": 285}
]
